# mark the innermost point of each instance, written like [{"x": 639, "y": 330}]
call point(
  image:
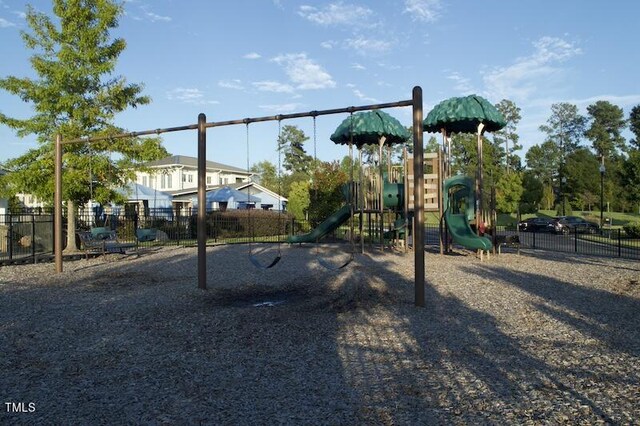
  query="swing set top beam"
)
[{"x": 249, "y": 120}]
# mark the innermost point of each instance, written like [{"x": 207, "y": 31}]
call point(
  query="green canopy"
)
[
  {"x": 368, "y": 127},
  {"x": 463, "y": 115}
]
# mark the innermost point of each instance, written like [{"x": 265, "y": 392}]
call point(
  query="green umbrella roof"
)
[
  {"x": 368, "y": 127},
  {"x": 462, "y": 115}
]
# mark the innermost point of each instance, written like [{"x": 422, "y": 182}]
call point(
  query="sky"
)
[{"x": 239, "y": 58}]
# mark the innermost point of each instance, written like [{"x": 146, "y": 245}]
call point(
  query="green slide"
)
[
  {"x": 330, "y": 224},
  {"x": 462, "y": 233}
]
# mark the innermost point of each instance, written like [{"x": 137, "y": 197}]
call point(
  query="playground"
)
[{"x": 529, "y": 338}]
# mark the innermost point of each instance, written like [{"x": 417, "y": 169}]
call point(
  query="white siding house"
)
[{"x": 178, "y": 173}]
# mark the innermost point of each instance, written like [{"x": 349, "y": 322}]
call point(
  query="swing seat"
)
[
  {"x": 146, "y": 235},
  {"x": 103, "y": 241}
]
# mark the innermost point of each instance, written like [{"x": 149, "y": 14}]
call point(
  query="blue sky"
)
[{"x": 241, "y": 58}]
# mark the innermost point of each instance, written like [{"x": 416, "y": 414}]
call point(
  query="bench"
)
[
  {"x": 507, "y": 241},
  {"x": 103, "y": 241}
]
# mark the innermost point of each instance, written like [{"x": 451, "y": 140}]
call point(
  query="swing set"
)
[{"x": 201, "y": 127}]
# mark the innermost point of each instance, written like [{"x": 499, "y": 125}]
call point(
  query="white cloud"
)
[
  {"x": 336, "y": 14},
  {"x": 423, "y": 10},
  {"x": 363, "y": 97},
  {"x": 525, "y": 76},
  {"x": 189, "y": 96},
  {"x": 327, "y": 44},
  {"x": 366, "y": 46},
  {"x": 154, "y": 17},
  {"x": 282, "y": 108},
  {"x": 6, "y": 24},
  {"x": 304, "y": 72},
  {"x": 357, "y": 66},
  {"x": 252, "y": 55},
  {"x": 462, "y": 84},
  {"x": 273, "y": 86},
  {"x": 231, "y": 84}
]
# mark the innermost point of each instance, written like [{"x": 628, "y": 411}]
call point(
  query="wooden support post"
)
[
  {"x": 202, "y": 202},
  {"x": 418, "y": 196}
]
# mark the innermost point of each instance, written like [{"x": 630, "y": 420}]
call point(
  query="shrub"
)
[
  {"x": 568, "y": 211},
  {"x": 632, "y": 229},
  {"x": 243, "y": 224}
]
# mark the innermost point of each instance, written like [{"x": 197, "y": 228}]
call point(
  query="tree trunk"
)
[{"x": 71, "y": 229}]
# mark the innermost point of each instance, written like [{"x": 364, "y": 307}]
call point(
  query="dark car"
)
[
  {"x": 535, "y": 224},
  {"x": 574, "y": 224}
]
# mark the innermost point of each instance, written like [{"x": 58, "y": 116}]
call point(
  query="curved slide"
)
[
  {"x": 462, "y": 233},
  {"x": 329, "y": 225}
]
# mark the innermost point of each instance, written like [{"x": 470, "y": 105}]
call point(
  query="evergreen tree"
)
[
  {"x": 507, "y": 136},
  {"x": 607, "y": 122},
  {"x": 291, "y": 143},
  {"x": 75, "y": 94}
]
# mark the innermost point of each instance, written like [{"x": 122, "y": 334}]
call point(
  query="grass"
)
[{"x": 510, "y": 220}]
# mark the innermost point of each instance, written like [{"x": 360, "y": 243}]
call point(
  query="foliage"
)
[
  {"x": 607, "y": 122},
  {"x": 632, "y": 230},
  {"x": 75, "y": 94},
  {"x": 568, "y": 210},
  {"x": 508, "y": 192},
  {"x": 507, "y": 135},
  {"x": 634, "y": 126},
  {"x": 267, "y": 175},
  {"x": 243, "y": 224},
  {"x": 548, "y": 197},
  {"x": 631, "y": 176},
  {"x": 326, "y": 191},
  {"x": 298, "y": 204},
  {"x": 564, "y": 127},
  {"x": 291, "y": 143},
  {"x": 532, "y": 191}
]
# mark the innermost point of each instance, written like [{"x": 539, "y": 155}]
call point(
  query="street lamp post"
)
[{"x": 602, "y": 170}]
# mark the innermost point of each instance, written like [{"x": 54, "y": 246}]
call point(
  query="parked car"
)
[
  {"x": 574, "y": 224},
  {"x": 535, "y": 224}
]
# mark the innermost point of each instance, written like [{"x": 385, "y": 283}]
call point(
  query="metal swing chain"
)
[{"x": 253, "y": 260}]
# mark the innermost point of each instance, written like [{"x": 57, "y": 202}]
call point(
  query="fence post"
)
[
  {"x": 33, "y": 237},
  {"x": 619, "y": 244},
  {"x": 575, "y": 239},
  {"x": 534, "y": 238},
  {"x": 10, "y": 242}
]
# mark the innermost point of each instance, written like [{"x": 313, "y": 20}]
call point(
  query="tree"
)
[
  {"x": 582, "y": 173},
  {"x": 291, "y": 144},
  {"x": 299, "y": 200},
  {"x": 630, "y": 174},
  {"x": 544, "y": 161},
  {"x": 634, "y": 126},
  {"x": 532, "y": 193},
  {"x": 607, "y": 123},
  {"x": 508, "y": 192},
  {"x": 75, "y": 94},
  {"x": 326, "y": 191},
  {"x": 508, "y": 135},
  {"x": 267, "y": 175},
  {"x": 565, "y": 127}
]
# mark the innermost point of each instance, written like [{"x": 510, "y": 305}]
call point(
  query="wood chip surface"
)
[{"x": 539, "y": 338}]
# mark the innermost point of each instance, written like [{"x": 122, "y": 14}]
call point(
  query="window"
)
[
  {"x": 226, "y": 181},
  {"x": 163, "y": 182},
  {"x": 208, "y": 180},
  {"x": 184, "y": 178},
  {"x": 238, "y": 180},
  {"x": 144, "y": 181},
  {"x": 190, "y": 178},
  {"x": 169, "y": 183}
]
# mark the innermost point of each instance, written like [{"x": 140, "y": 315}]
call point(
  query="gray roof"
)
[{"x": 183, "y": 160}]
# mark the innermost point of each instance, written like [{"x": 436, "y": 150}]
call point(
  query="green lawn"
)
[{"x": 619, "y": 219}]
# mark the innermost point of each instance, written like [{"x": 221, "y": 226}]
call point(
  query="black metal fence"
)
[{"x": 29, "y": 236}]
